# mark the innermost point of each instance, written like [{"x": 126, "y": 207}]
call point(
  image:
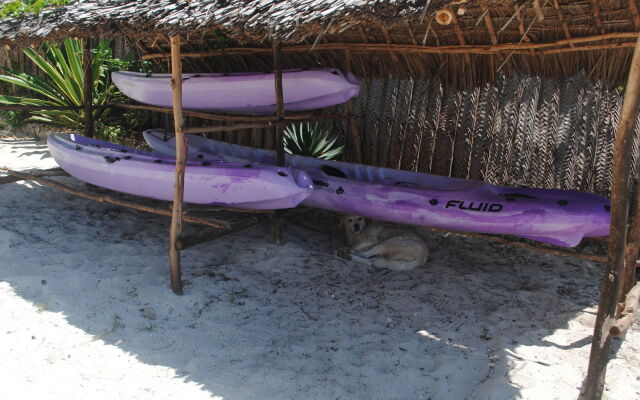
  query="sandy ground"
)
[{"x": 86, "y": 312}]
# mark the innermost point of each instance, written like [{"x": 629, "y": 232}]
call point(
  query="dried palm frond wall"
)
[{"x": 519, "y": 130}]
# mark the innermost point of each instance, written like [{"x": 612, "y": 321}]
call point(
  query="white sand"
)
[{"x": 86, "y": 312}]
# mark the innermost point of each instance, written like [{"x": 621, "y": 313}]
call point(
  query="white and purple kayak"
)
[
  {"x": 241, "y": 185},
  {"x": 558, "y": 217},
  {"x": 249, "y": 93}
]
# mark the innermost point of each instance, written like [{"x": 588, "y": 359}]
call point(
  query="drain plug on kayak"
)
[{"x": 340, "y": 190}]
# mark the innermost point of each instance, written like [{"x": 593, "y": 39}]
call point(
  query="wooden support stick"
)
[
  {"x": 108, "y": 199},
  {"x": 610, "y": 291},
  {"x": 37, "y": 173},
  {"x": 565, "y": 26},
  {"x": 88, "y": 89},
  {"x": 595, "y": 4},
  {"x": 631, "y": 254},
  {"x": 511, "y": 243},
  {"x": 417, "y": 49},
  {"x": 633, "y": 7},
  {"x": 225, "y": 128},
  {"x": 277, "y": 63},
  {"x": 178, "y": 194},
  {"x": 354, "y": 136},
  {"x": 24, "y": 107},
  {"x": 280, "y": 159},
  {"x": 629, "y": 314},
  {"x": 231, "y": 118},
  {"x": 193, "y": 240}
]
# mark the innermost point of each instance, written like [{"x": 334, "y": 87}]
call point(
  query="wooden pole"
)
[
  {"x": 516, "y": 48},
  {"x": 38, "y": 177},
  {"x": 205, "y": 115},
  {"x": 178, "y": 193},
  {"x": 88, "y": 89},
  {"x": 354, "y": 137},
  {"x": 610, "y": 291},
  {"x": 277, "y": 65},
  {"x": 631, "y": 254},
  {"x": 629, "y": 312}
]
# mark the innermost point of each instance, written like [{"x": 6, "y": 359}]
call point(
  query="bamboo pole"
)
[
  {"x": 178, "y": 196},
  {"x": 411, "y": 48},
  {"x": 231, "y": 118},
  {"x": 610, "y": 291},
  {"x": 356, "y": 146},
  {"x": 38, "y": 178}
]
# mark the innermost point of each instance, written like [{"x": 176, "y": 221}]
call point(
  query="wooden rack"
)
[{"x": 618, "y": 301}]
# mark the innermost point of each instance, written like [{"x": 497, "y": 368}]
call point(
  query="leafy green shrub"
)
[
  {"x": 63, "y": 83},
  {"x": 312, "y": 140},
  {"x": 12, "y": 119}
]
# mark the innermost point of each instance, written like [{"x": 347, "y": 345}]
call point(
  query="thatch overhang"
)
[
  {"x": 243, "y": 21},
  {"x": 464, "y": 42}
]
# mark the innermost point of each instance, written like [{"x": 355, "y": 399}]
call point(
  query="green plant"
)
[
  {"x": 12, "y": 119},
  {"x": 63, "y": 82},
  {"x": 16, "y": 8},
  {"x": 312, "y": 140}
]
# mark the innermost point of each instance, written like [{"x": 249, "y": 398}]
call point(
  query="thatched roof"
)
[
  {"x": 242, "y": 20},
  {"x": 294, "y": 20},
  {"x": 477, "y": 40}
]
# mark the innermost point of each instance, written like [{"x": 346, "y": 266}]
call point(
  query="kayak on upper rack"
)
[
  {"x": 558, "y": 217},
  {"x": 249, "y": 93},
  {"x": 241, "y": 185}
]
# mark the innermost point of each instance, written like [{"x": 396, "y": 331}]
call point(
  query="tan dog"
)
[{"x": 382, "y": 246}]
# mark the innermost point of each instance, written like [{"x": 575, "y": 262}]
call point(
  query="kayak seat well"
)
[{"x": 333, "y": 171}]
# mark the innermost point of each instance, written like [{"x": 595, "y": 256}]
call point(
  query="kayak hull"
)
[
  {"x": 559, "y": 217},
  {"x": 242, "y": 93},
  {"x": 240, "y": 185}
]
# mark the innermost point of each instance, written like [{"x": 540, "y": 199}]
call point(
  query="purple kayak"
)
[
  {"x": 241, "y": 185},
  {"x": 250, "y": 93},
  {"x": 558, "y": 217}
]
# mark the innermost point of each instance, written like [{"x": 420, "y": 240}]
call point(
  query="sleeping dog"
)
[{"x": 383, "y": 246}]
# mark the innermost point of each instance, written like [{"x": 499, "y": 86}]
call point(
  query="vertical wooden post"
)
[
  {"x": 87, "y": 89},
  {"x": 178, "y": 193},
  {"x": 610, "y": 291},
  {"x": 631, "y": 254},
  {"x": 277, "y": 65},
  {"x": 354, "y": 136}
]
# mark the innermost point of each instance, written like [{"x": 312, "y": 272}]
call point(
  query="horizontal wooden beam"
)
[
  {"x": 226, "y": 128},
  {"x": 522, "y": 245},
  {"x": 108, "y": 199},
  {"x": 39, "y": 173},
  {"x": 234, "y": 118},
  {"x": 541, "y": 48},
  {"x": 24, "y": 107}
]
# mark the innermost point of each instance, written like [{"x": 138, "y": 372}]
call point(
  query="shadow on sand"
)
[{"x": 260, "y": 321}]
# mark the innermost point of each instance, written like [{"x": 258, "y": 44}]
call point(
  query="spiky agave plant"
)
[
  {"x": 62, "y": 83},
  {"x": 312, "y": 140}
]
